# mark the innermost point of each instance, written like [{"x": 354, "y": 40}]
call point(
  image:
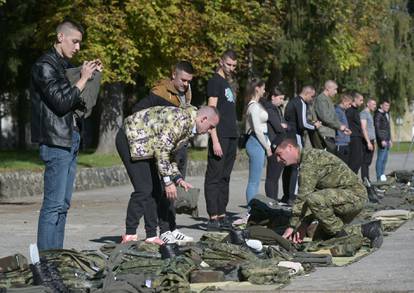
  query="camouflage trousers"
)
[{"x": 334, "y": 209}]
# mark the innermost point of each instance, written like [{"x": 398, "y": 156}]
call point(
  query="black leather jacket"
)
[
  {"x": 53, "y": 101},
  {"x": 382, "y": 127}
]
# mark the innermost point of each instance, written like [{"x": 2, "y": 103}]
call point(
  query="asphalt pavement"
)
[{"x": 98, "y": 216}]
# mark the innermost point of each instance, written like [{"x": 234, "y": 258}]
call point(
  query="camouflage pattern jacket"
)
[
  {"x": 157, "y": 132},
  {"x": 320, "y": 170}
]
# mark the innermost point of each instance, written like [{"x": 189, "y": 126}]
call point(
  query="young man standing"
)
[
  {"x": 325, "y": 112},
  {"x": 383, "y": 135},
  {"x": 368, "y": 130},
  {"x": 222, "y": 146},
  {"x": 341, "y": 139},
  {"x": 56, "y": 128},
  {"x": 354, "y": 122}
]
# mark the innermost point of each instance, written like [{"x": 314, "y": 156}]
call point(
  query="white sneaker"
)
[
  {"x": 168, "y": 237},
  {"x": 180, "y": 237},
  {"x": 242, "y": 221},
  {"x": 383, "y": 178}
]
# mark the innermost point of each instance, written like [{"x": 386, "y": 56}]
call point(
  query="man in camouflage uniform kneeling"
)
[{"x": 332, "y": 193}]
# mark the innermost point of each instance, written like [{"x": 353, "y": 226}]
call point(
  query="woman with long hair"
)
[
  {"x": 277, "y": 127},
  {"x": 258, "y": 144}
]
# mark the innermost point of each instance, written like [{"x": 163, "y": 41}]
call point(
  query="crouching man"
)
[{"x": 329, "y": 192}]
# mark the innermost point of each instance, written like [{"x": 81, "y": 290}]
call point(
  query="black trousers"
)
[
  {"x": 355, "y": 153},
  {"x": 273, "y": 171},
  {"x": 146, "y": 183},
  {"x": 148, "y": 197},
  {"x": 290, "y": 181},
  {"x": 366, "y": 159},
  {"x": 217, "y": 179},
  {"x": 342, "y": 152}
]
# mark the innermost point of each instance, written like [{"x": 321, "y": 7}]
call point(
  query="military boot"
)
[
  {"x": 373, "y": 231},
  {"x": 238, "y": 237},
  {"x": 372, "y": 193},
  {"x": 169, "y": 250}
]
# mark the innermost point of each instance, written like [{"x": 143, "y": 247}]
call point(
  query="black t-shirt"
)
[
  {"x": 226, "y": 105},
  {"x": 354, "y": 121}
]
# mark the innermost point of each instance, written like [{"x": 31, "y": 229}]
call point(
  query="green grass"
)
[
  {"x": 197, "y": 154},
  {"x": 402, "y": 148},
  {"x": 29, "y": 160}
]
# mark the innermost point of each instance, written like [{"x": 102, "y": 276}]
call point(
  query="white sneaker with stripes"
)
[
  {"x": 176, "y": 236},
  {"x": 168, "y": 237}
]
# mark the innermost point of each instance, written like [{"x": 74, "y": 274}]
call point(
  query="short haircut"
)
[
  {"x": 229, "y": 54},
  {"x": 69, "y": 24},
  {"x": 308, "y": 88},
  {"x": 355, "y": 95},
  {"x": 184, "y": 66},
  {"x": 286, "y": 142},
  {"x": 209, "y": 111},
  {"x": 385, "y": 101},
  {"x": 371, "y": 99},
  {"x": 345, "y": 97},
  {"x": 330, "y": 83}
]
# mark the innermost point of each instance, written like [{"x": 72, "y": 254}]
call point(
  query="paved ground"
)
[{"x": 97, "y": 217}]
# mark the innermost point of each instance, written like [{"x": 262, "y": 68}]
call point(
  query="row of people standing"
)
[
  {"x": 342, "y": 130},
  {"x": 370, "y": 130},
  {"x": 267, "y": 127}
]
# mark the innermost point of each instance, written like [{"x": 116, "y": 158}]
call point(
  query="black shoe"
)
[
  {"x": 238, "y": 237},
  {"x": 372, "y": 193},
  {"x": 373, "y": 231},
  {"x": 213, "y": 225},
  {"x": 225, "y": 223},
  {"x": 169, "y": 250}
]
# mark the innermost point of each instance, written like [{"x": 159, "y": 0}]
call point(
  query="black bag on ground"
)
[{"x": 267, "y": 211}]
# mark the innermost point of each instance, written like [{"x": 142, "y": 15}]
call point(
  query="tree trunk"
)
[{"x": 111, "y": 117}]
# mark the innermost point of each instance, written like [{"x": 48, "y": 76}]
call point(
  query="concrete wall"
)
[{"x": 27, "y": 183}]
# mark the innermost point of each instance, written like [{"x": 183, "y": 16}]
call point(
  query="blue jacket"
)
[{"x": 340, "y": 137}]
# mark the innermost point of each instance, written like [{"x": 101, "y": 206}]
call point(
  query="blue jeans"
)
[
  {"x": 382, "y": 156},
  {"x": 59, "y": 176},
  {"x": 257, "y": 155}
]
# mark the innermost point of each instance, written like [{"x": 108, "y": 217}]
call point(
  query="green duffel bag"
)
[{"x": 187, "y": 201}]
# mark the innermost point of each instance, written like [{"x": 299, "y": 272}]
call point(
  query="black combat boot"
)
[
  {"x": 238, "y": 237},
  {"x": 372, "y": 193},
  {"x": 169, "y": 250},
  {"x": 373, "y": 231}
]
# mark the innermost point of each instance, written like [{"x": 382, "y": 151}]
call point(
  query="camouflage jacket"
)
[
  {"x": 157, "y": 132},
  {"x": 320, "y": 170},
  {"x": 324, "y": 109}
]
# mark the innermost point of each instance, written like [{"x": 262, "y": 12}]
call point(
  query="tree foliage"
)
[{"x": 364, "y": 45}]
